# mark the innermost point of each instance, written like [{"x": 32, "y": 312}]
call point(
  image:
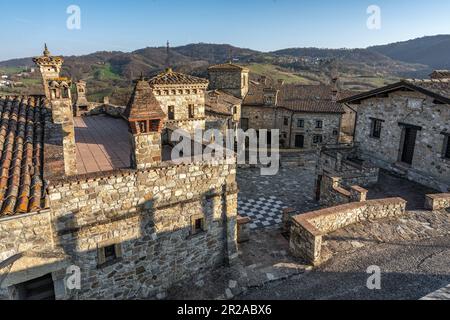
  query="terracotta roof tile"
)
[
  {"x": 21, "y": 147},
  {"x": 170, "y": 77},
  {"x": 299, "y": 98},
  {"x": 221, "y": 102},
  {"x": 143, "y": 104}
]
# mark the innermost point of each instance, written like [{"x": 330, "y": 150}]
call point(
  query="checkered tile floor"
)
[{"x": 264, "y": 212}]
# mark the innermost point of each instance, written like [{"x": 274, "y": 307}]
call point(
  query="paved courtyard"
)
[{"x": 263, "y": 198}]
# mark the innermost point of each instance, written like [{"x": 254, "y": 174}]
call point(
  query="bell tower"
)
[{"x": 50, "y": 67}]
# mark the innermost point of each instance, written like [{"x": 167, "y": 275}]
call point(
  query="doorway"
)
[
  {"x": 409, "y": 144},
  {"x": 299, "y": 141},
  {"x": 37, "y": 289}
]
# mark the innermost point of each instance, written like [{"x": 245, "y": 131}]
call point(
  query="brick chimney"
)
[{"x": 145, "y": 118}]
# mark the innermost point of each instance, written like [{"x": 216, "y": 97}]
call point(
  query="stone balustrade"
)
[{"x": 308, "y": 229}]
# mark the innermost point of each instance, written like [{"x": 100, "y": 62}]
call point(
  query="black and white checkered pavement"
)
[{"x": 264, "y": 212}]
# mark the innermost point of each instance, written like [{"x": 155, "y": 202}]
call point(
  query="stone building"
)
[
  {"x": 306, "y": 115},
  {"x": 229, "y": 78},
  {"x": 223, "y": 111},
  {"x": 92, "y": 199},
  {"x": 404, "y": 128},
  {"x": 182, "y": 99}
]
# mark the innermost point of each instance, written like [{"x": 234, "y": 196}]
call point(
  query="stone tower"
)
[
  {"x": 50, "y": 67},
  {"x": 230, "y": 78},
  {"x": 146, "y": 119},
  {"x": 61, "y": 131},
  {"x": 182, "y": 99}
]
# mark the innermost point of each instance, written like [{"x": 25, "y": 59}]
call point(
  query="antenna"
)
[{"x": 168, "y": 55}]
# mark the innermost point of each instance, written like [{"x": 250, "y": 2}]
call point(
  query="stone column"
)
[{"x": 146, "y": 150}]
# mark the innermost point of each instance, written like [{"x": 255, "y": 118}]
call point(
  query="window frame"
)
[
  {"x": 171, "y": 113},
  {"x": 446, "y": 147},
  {"x": 191, "y": 111},
  {"x": 319, "y": 140},
  {"x": 319, "y": 124},
  {"x": 194, "y": 220},
  {"x": 102, "y": 259},
  {"x": 373, "y": 127},
  {"x": 302, "y": 122}
]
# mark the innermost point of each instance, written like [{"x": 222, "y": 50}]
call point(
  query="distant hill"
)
[
  {"x": 110, "y": 73},
  {"x": 433, "y": 51}
]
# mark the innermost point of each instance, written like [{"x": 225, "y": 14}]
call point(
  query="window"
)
[
  {"x": 447, "y": 147},
  {"x": 154, "y": 125},
  {"x": 319, "y": 124},
  {"x": 191, "y": 111},
  {"x": 108, "y": 253},
  {"x": 142, "y": 125},
  {"x": 198, "y": 224},
  {"x": 244, "y": 124},
  {"x": 286, "y": 121},
  {"x": 235, "y": 110},
  {"x": 376, "y": 128},
  {"x": 317, "y": 139},
  {"x": 171, "y": 113},
  {"x": 300, "y": 123}
]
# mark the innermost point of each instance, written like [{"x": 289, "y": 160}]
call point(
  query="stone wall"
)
[
  {"x": 146, "y": 149},
  {"x": 333, "y": 192},
  {"x": 148, "y": 215},
  {"x": 181, "y": 97},
  {"x": 428, "y": 166},
  {"x": 437, "y": 201},
  {"x": 266, "y": 117},
  {"x": 234, "y": 82},
  {"x": 308, "y": 229}
]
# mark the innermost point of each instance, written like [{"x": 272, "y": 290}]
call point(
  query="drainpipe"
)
[{"x": 290, "y": 130}]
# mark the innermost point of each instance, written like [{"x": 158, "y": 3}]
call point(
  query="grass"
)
[
  {"x": 276, "y": 73},
  {"x": 11, "y": 70},
  {"x": 105, "y": 72}
]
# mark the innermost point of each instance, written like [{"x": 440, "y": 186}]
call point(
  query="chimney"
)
[
  {"x": 145, "y": 118},
  {"x": 61, "y": 131},
  {"x": 334, "y": 89}
]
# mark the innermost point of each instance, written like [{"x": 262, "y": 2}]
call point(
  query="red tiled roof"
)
[
  {"x": 295, "y": 97},
  {"x": 143, "y": 104},
  {"x": 21, "y": 146},
  {"x": 437, "y": 89},
  {"x": 170, "y": 77},
  {"x": 220, "y": 102}
]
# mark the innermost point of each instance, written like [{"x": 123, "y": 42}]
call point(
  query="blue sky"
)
[{"x": 258, "y": 24}]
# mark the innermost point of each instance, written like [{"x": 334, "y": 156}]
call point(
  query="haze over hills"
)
[
  {"x": 432, "y": 51},
  {"x": 110, "y": 73}
]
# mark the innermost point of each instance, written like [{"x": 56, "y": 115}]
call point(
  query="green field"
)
[
  {"x": 276, "y": 73},
  {"x": 105, "y": 72}
]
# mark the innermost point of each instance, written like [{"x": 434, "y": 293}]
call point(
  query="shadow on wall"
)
[{"x": 140, "y": 253}]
